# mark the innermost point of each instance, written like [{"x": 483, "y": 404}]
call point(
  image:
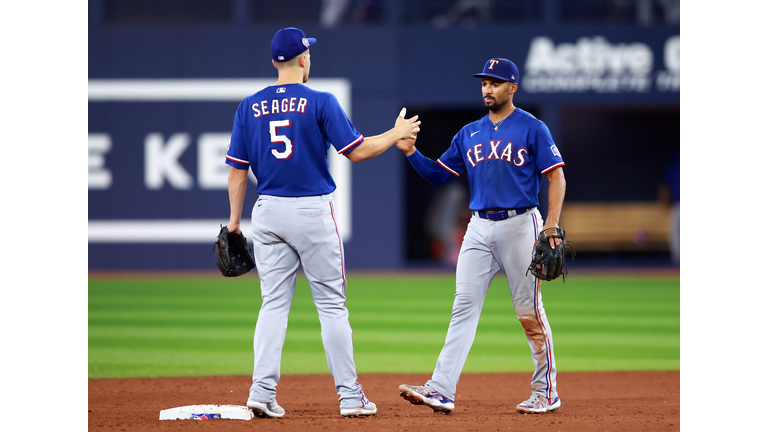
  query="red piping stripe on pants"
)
[
  {"x": 341, "y": 250},
  {"x": 547, "y": 340}
]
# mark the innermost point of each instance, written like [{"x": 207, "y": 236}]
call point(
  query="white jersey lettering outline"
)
[
  {"x": 493, "y": 149},
  {"x": 478, "y": 152},
  {"x": 288, "y": 152},
  {"x": 506, "y": 154},
  {"x": 521, "y": 156},
  {"x": 469, "y": 157}
]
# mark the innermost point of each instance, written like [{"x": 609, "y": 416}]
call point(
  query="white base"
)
[{"x": 205, "y": 412}]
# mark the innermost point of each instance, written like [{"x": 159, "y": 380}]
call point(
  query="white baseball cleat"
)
[
  {"x": 266, "y": 409},
  {"x": 537, "y": 404},
  {"x": 426, "y": 395},
  {"x": 366, "y": 408}
]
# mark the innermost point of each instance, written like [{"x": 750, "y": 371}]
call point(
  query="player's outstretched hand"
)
[
  {"x": 407, "y": 145},
  {"x": 407, "y": 127}
]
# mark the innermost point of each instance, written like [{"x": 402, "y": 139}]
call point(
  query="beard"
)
[{"x": 493, "y": 105}]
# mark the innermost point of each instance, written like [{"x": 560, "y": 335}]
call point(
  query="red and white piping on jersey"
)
[
  {"x": 559, "y": 164},
  {"x": 352, "y": 144},
  {"x": 244, "y": 162},
  {"x": 447, "y": 169}
]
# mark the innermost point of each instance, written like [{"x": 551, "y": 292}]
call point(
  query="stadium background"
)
[{"x": 603, "y": 75}]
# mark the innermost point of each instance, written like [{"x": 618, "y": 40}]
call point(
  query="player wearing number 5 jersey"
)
[
  {"x": 505, "y": 155},
  {"x": 283, "y": 134}
]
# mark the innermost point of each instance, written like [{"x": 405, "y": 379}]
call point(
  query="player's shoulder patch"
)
[{"x": 555, "y": 151}]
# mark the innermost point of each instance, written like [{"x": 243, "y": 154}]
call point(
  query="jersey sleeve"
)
[
  {"x": 546, "y": 154},
  {"x": 452, "y": 161},
  {"x": 338, "y": 128},
  {"x": 237, "y": 154},
  {"x": 429, "y": 169}
]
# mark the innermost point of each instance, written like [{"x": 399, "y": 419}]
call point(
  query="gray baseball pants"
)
[
  {"x": 488, "y": 248},
  {"x": 287, "y": 232}
]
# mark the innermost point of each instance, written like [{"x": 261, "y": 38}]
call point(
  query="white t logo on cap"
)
[{"x": 492, "y": 64}]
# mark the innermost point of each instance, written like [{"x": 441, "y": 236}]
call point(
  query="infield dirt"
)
[{"x": 592, "y": 401}]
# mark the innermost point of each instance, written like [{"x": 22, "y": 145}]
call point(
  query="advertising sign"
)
[
  {"x": 595, "y": 64},
  {"x": 156, "y": 151}
]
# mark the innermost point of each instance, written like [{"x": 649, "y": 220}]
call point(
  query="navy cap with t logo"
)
[
  {"x": 500, "y": 68},
  {"x": 288, "y": 43}
]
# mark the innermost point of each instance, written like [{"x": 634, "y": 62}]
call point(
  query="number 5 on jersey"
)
[{"x": 273, "y": 127}]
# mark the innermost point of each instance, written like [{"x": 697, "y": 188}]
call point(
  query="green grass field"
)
[{"x": 203, "y": 325}]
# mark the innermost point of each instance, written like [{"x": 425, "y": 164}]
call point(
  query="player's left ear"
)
[
  {"x": 303, "y": 59},
  {"x": 512, "y": 88}
]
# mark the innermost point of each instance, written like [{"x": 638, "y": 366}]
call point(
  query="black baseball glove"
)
[
  {"x": 233, "y": 256},
  {"x": 547, "y": 263}
]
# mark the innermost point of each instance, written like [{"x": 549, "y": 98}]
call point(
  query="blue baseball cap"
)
[
  {"x": 500, "y": 68},
  {"x": 288, "y": 43}
]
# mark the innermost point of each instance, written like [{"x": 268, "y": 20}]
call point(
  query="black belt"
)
[{"x": 496, "y": 215}]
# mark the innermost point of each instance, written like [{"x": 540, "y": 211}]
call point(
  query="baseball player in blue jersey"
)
[
  {"x": 505, "y": 155},
  {"x": 283, "y": 134}
]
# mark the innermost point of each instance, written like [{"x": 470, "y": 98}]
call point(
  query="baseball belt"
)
[{"x": 496, "y": 215}]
